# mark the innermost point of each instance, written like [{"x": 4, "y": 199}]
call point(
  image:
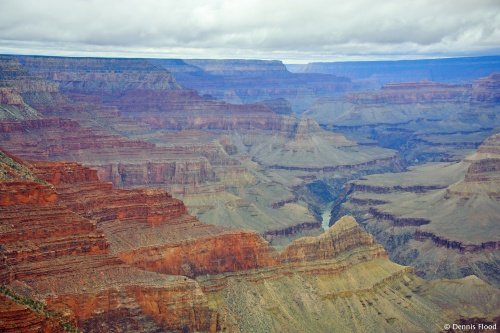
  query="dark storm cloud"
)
[{"x": 314, "y": 29}]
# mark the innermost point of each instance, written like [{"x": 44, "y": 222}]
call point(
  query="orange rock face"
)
[
  {"x": 52, "y": 252},
  {"x": 16, "y": 318},
  {"x": 107, "y": 258}
]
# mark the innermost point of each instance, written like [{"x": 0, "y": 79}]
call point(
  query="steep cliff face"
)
[
  {"x": 15, "y": 317},
  {"x": 487, "y": 89},
  {"x": 103, "y": 77},
  {"x": 242, "y": 81},
  {"x": 241, "y": 282},
  {"x": 425, "y": 121},
  {"x": 413, "y": 92},
  {"x": 393, "y": 104},
  {"x": 205, "y": 168},
  {"x": 117, "y": 159},
  {"x": 13, "y": 81},
  {"x": 143, "y": 101},
  {"x": 483, "y": 176},
  {"x": 343, "y": 237},
  {"x": 440, "y": 218},
  {"x": 145, "y": 92},
  {"x": 52, "y": 253},
  {"x": 339, "y": 281}
]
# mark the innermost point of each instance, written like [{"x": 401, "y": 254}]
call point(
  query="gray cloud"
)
[{"x": 277, "y": 29}]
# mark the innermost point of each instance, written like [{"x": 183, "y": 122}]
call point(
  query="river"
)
[{"x": 327, "y": 213}]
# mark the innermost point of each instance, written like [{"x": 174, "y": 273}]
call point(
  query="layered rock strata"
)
[
  {"x": 56, "y": 255},
  {"x": 119, "y": 160},
  {"x": 138, "y": 99},
  {"x": 241, "y": 282},
  {"x": 341, "y": 275},
  {"x": 425, "y": 121},
  {"x": 309, "y": 148},
  {"x": 440, "y": 218},
  {"x": 15, "y": 317},
  {"x": 243, "y": 81}
]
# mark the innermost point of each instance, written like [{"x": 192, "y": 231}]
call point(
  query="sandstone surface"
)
[
  {"x": 440, "y": 218},
  {"x": 51, "y": 253},
  {"x": 78, "y": 256}
]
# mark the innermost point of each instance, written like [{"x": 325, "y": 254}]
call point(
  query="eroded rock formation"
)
[
  {"x": 78, "y": 256},
  {"x": 52, "y": 253},
  {"x": 440, "y": 218}
]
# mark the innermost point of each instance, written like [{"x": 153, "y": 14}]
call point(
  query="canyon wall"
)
[
  {"x": 452, "y": 70},
  {"x": 99, "y": 258},
  {"x": 441, "y": 218}
]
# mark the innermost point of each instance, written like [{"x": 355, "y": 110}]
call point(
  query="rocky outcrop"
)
[
  {"x": 439, "y": 218},
  {"x": 53, "y": 253},
  {"x": 269, "y": 299},
  {"x": 278, "y": 106},
  {"x": 13, "y": 81},
  {"x": 241, "y": 81},
  {"x": 487, "y": 89},
  {"x": 307, "y": 147},
  {"x": 425, "y": 121},
  {"x": 15, "y": 317},
  {"x": 483, "y": 173},
  {"x": 102, "y": 77},
  {"x": 118, "y": 160},
  {"x": 421, "y": 92},
  {"x": 145, "y": 92},
  {"x": 128, "y": 216},
  {"x": 108, "y": 233},
  {"x": 342, "y": 237}
]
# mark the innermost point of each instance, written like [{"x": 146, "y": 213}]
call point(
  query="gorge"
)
[{"x": 168, "y": 195}]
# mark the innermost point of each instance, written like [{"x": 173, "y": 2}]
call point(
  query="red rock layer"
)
[
  {"x": 15, "y": 318},
  {"x": 158, "y": 233},
  {"x": 119, "y": 160},
  {"x": 56, "y": 255},
  {"x": 47, "y": 248}
]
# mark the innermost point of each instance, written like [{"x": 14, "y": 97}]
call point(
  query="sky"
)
[{"x": 288, "y": 30}]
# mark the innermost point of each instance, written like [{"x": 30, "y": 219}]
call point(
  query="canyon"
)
[
  {"x": 133, "y": 260},
  {"x": 137, "y": 126},
  {"x": 440, "y": 218},
  {"x": 152, "y": 195}
]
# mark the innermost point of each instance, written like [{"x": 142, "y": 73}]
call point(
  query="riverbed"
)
[{"x": 327, "y": 213}]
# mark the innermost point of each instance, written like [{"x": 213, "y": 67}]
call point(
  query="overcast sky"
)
[{"x": 288, "y": 30}]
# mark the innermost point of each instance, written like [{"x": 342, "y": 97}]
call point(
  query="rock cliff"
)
[
  {"x": 77, "y": 258},
  {"x": 119, "y": 160},
  {"x": 440, "y": 218},
  {"x": 51, "y": 253},
  {"x": 242, "y": 81},
  {"x": 15, "y": 317},
  {"x": 13, "y": 81},
  {"x": 425, "y": 121}
]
